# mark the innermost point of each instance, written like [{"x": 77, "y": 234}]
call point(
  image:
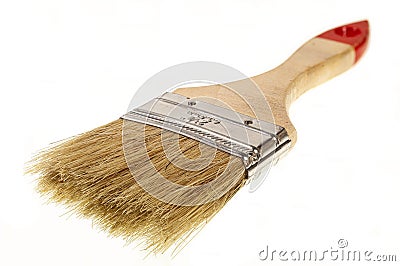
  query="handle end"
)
[{"x": 355, "y": 34}]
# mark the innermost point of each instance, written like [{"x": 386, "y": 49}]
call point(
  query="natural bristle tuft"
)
[{"x": 90, "y": 173}]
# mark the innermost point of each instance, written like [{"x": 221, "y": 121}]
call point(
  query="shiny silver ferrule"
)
[{"x": 258, "y": 143}]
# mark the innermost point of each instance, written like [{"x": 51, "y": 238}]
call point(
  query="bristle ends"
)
[{"x": 89, "y": 174}]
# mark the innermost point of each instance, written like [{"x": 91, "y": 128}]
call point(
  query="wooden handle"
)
[{"x": 317, "y": 61}]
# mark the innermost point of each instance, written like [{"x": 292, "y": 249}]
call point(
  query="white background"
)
[{"x": 69, "y": 66}]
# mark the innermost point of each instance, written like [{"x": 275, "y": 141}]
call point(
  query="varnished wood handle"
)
[{"x": 318, "y": 60}]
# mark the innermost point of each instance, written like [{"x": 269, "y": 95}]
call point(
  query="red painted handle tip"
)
[{"x": 355, "y": 34}]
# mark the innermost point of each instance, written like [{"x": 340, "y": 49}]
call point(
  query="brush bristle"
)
[{"x": 92, "y": 174}]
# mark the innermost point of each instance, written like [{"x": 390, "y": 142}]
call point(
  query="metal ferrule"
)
[{"x": 257, "y": 143}]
